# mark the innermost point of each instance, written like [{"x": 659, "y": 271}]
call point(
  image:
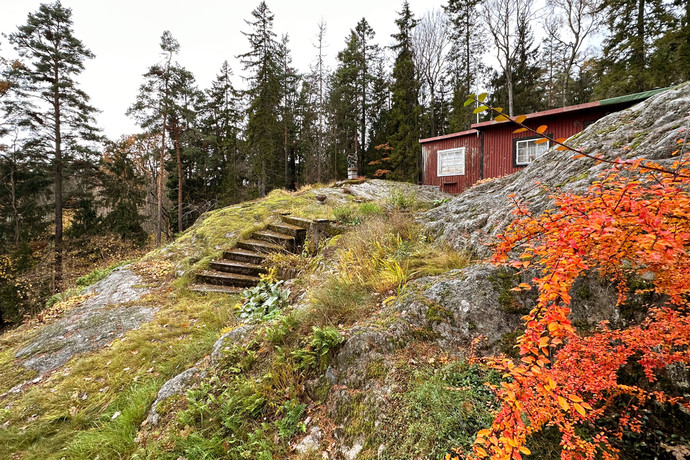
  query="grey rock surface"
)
[
  {"x": 649, "y": 130},
  {"x": 95, "y": 323},
  {"x": 311, "y": 441},
  {"x": 176, "y": 385},
  {"x": 377, "y": 189},
  {"x": 237, "y": 335}
]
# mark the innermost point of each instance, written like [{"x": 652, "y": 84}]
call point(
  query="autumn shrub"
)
[{"x": 633, "y": 223}]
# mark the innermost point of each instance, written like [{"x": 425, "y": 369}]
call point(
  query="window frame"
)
[
  {"x": 517, "y": 140},
  {"x": 440, "y": 153}
]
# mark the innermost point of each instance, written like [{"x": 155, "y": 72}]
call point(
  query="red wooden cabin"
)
[{"x": 490, "y": 149}]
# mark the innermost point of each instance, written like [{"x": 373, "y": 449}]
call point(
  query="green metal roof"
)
[{"x": 632, "y": 97}]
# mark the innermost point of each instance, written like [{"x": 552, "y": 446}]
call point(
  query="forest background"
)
[{"x": 72, "y": 199}]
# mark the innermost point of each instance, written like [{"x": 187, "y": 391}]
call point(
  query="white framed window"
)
[
  {"x": 451, "y": 162},
  {"x": 527, "y": 150}
]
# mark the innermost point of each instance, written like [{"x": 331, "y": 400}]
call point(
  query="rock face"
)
[
  {"x": 649, "y": 130},
  {"x": 95, "y": 323}
]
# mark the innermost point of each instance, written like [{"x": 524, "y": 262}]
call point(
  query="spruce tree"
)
[
  {"x": 55, "y": 109},
  {"x": 344, "y": 103},
  {"x": 123, "y": 190},
  {"x": 406, "y": 152},
  {"x": 264, "y": 132},
  {"x": 221, "y": 113}
]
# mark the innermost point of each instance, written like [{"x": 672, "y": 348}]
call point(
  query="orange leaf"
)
[
  {"x": 519, "y": 130},
  {"x": 541, "y": 129},
  {"x": 579, "y": 408},
  {"x": 541, "y": 141},
  {"x": 563, "y": 403},
  {"x": 520, "y": 118},
  {"x": 525, "y": 450}
]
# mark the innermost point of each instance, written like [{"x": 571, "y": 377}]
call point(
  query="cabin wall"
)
[
  {"x": 499, "y": 156},
  {"x": 453, "y": 184}
]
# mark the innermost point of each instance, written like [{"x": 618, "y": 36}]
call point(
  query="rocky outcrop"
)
[
  {"x": 96, "y": 322},
  {"x": 647, "y": 130}
]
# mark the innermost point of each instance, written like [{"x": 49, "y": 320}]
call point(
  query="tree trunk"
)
[
  {"x": 57, "y": 283},
  {"x": 286, "y": 159},
  {"x": 262, "y": 179},
  {"x": 161, "y": 165},
  {"x": 179, "y": 181}
]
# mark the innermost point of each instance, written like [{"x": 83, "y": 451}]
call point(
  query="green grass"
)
[{"x": 440, "y": 411}]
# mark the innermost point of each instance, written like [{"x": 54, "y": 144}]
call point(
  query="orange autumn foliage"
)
[{"x": 633, "y": 222}]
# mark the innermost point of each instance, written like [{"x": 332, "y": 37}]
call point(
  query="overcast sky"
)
[{"x": 125, "y": 34}]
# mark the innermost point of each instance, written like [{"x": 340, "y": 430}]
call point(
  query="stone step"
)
[
  {"x": 242, "y": 255},
  {"x": 216, "y": 288},
  {"x": 268, "y": 236},
  {"x": 296, "y": 232},
  {"x": 297, "y": 221},
  {"x": 262, "y": 247},
  {"x": 226, "y": 279},
  {"x": 233, "y": 266}
]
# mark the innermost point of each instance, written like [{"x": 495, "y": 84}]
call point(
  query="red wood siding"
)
[
  {"x": 453, "y": 184},
  {"x": 499, "y": 156}
]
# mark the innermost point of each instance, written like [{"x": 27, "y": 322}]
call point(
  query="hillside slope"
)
[{"x": 367, "y": 358}]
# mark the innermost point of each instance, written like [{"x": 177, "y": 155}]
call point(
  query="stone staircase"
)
[{"x": 241, "y": 266}]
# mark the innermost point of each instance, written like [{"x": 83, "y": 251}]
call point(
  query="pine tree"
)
[
  {"x": 151, "y": 110},
  {"x": 671, "y": 55},
  {"x": 634, "y": 28},
  {"x": 184, "y": 100},
  {"x": 265, "y": 135},
  {"x": 55, "y": 108},
  {"x": 466, "y": 67},
  {"x": 405, "y": 153}
]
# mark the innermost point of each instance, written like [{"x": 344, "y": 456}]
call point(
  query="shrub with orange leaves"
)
[{"x": 633, "y": 223}]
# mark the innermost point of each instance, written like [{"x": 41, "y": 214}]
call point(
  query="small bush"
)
[
  {"x": 443, "y": 410},
  {"x": 97, "y": 275},
  {"x": 402, "y": 199},
  {"x": 265, "y": 300},
  {"x": 343, "y": 215}
]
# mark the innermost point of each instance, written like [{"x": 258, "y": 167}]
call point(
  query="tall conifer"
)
[
  {"x": 58, "y": 112},
  {"x": 406, "y": 153}
]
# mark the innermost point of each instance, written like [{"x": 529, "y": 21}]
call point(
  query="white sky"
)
[{"x": 125, "y": 34}]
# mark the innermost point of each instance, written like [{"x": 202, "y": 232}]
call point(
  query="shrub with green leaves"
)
[
  {"x": 316, "y": 355},
  {"x": 265, "y": 300}
]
